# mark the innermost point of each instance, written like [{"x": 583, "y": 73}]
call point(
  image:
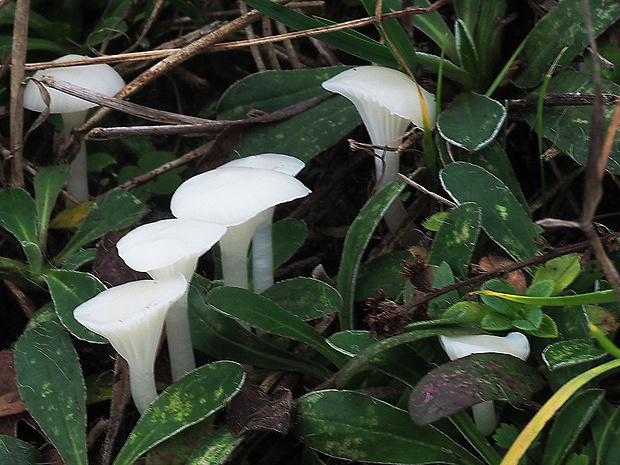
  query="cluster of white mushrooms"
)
[{"x": 234, "y": 205}]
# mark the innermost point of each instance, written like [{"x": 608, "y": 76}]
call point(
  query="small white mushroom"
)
[
  {"x": 100, "y": 78},
  {"x": 388, "y": 102},
  {"x": 163, "y": 249},
  {"x": 262, "y": 241},
  {"x": 131, "y": 317},
  {"x": 234, "y": 197},
  {"x": 515, "y": 344}
]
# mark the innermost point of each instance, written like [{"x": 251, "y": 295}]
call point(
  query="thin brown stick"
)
[
  {"x": 208, "y": 42},
  {"x": 18, "y": 60},
  {"x": 595, "y": 166},
  {"x": 481, "y": 278}
]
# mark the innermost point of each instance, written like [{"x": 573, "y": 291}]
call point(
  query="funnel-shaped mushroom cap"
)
[
  {"x": 99, "y": 78},
  {"x": 131, "y": 316},
  {"x": 234, "y": 195},
  {"x": 167, "y": 247},
  {"x": 270, "y": 161},
  {"x": 515, "y": 344},
  {"x": 386, "y": 99}
]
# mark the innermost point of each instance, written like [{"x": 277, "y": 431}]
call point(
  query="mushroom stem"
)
[
  {"x": 142, "y": 384},
  {"x": 386, "y": 167},
  {"x": 262, "y": 253},
  {"x": 234, "y": 250},
  {"x": 77, "y": 185},
  {"x": 485, "y": 417},
  {"x": 178, "y": 334}
]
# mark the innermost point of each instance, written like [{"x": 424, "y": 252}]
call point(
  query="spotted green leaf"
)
[
  {"x": 353, "y": 426},
  {"x": 193, "y": 398},
  {"x": 216, "y": 449},
  {"x": 503, "y": 218},
  {"x": 562, "y": 27},
  {"x": 568, "y": 127},
  {"x": 49, "y": 378},
  {"x": 571, "y": 352},
  {"x": 455, "y": 241},
  {"x": 70, "y": 289}
]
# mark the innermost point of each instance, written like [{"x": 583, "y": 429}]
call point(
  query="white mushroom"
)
[
  {"x": 515, "y": 344},
  {"x": 234, "y": 197},
  {"x": 163, "y": 249},
  {"x": 131, "y": 316},
  {"x": 388, "y": 102},
  {"x": 262, "y": 241},
  {"x": 100, "y": 78}
]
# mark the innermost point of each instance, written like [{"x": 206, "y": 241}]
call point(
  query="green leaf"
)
[
  {"x": 433, "y": 25},
  {"x": 220, "y": 336},
  {"x": 216, "y": 449},
  {"x": 381, "y": 273},
  {"x": 434, "y": 222},
  {"x": 562, "y": 27},
  {"x": 568, "y": 127},
  {"x": 468, "y": 56},
  {"x": 570, "y": 421},
  {"x": 347, "y": 40},
  {"x": 288, "y": 236},
  {"x": 165, "y": 184},
  {"x": 114, "y": 210},
  {"x": 16, "y": 452},
  {"x": 455, "y": 241},
  {"x": 571, "y": 352},
  {"x": 351, "y": 342},
  {"x": 355, "y": 243},
  {"x": 18, "y": 215},
  {"x": 503, "y": 217},
  {"x": 471, "y": 121},
  {"x": 70, "y": 289},
  {"x": 606, "y": 432},
  {"x": 48, "y": 182},
  {"x": 442, "y": 276},
  {"x": 560, "y": 271},
  {"x": 303, "y": 135},
  {"x": 356, "y": 427},
  {"x": 393, "y": 33},
  {"x": 193, "y": 398},
  {"x": 492, "y": 158},
  {"x": 260, "y": 312},
  {"x": 466, "y": 381},
  {"x": 50, "y": 382},
  {"x": 305, "y": 298}
]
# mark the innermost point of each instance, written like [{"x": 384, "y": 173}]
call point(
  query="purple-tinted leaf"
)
[{"x": 470, "y": 380}]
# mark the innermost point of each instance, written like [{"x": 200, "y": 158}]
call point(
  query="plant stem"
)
[
  {"x": 142, "y": 382},
  {"x": 77, "y": 185},
  {"x": 262, "y": 253},
  {"x": 178, "y": 334}
]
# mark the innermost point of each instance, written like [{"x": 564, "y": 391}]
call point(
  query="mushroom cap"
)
[
  {"x": 233, "y": 195},
  {"x": 131, "y": 316},
  {"x": 368, "y": 86},
  {"x": 171, "y": 244},
  {"x": 270, "y": 161},
  {"x": 99, "y": 78},
  {"x": 515, "y": 344}
]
